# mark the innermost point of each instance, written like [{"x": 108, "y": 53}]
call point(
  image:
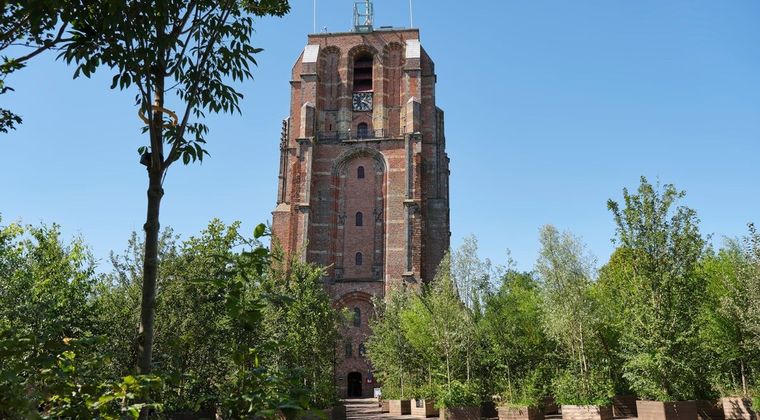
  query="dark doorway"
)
[{"x": 354, "y": 385}]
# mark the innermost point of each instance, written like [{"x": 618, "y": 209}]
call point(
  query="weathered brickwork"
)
[{"x": 363, "y": 188}]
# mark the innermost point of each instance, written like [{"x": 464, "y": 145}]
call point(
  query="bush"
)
[
  {"x": 528, "y": 391},
  {"x": 458, "y": 394},
  {"x": 571, "y": 388},
  {"x": 425, "y": 392}
]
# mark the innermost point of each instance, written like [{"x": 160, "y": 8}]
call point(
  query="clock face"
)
[{"x": 363, "y": 101}]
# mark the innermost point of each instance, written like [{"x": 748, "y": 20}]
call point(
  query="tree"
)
[
  {"x": 53, "y": 361},
  {"x": 300, "y": 325},
  {"x": 438, "y": 325},
  {"x": 662, "y": 291},
  {"x": 565, "y": 271},
  {"x": 395, "y": 362},
  {"x": 610, "y": 293},
  {"x": 471, "y": 275},
  {"x": 730, "y": 332},
  {"x": 169, "y": 51},
  {"x": 29, "y": 28},
  {"x": 519, "y": 352}
]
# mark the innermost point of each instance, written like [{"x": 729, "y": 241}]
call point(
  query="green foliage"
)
[
  {"x": 237, "y": 333},
  {"x": 458, "y": 394},
  {"x": 660, "y": 338},
  {"x": 610, "y": 294},
  {"x": 439, "y": 327},
  {"x": 194, "y": 50},
  {"x": 572, "y": 388},
  {"x": 527, "y": 390},
  {"x": 518, "y": 348},
  {"x": 38, "y": 26},
  {"x": 65, "y": 380},
  {"x": 470, "y": 275},
  {"x": 571, "y": 318},
  {"x": 396, "y": 364},
  {"x": 729, "y": 333},
  {"x": 297, "y": 299}
]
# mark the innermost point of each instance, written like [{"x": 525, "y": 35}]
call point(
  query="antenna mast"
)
[
  {"x": 363, "y": 16},
  {"x": 411, "y": 15}
]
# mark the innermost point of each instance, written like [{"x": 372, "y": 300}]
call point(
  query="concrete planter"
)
[
  {"x": 658, "y": 410},
  {"x": 709, "y": 410},
  {"x": 424, "y": 408},
  {"x": 586, "y": 412},
  {"x": 735, "y": 408},
  {"x": 399, "y": 407},
  {"x": 461, "y": 413},
  {"x": 520, "y": 413},
  {"x": 385, "y": 406},
  {"x": 624, "y": 406}
]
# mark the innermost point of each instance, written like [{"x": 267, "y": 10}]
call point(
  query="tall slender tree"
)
[{"x": 181, "y": 58}]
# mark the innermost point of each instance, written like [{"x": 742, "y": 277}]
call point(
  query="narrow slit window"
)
[
  {"x": 359, "y": 258},
  {"x": 359, "y": 219},
  {"x": 360, "y": 172},
  {"x": 357, "y": 317},
  {"x": 349, "y": 350}
]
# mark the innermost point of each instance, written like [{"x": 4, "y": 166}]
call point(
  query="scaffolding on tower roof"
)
[{"x": 363, "y": 16}]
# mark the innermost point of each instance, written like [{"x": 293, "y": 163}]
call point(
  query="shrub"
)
[
  {"x": 528, "y": 391},
  {"x": 458, "y": 394},
  {"x": 570, "y": 388}
]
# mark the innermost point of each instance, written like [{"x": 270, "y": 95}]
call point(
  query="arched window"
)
[
  {"x": 362, "y": 131},
  {"x": 363, "y": 72},
  {"x": 357, "y": 317},
  {"x": 359, "y": 219},
  {"x": 360, "y": 172},
  {"x": 359, "y": 258},
  {"x": 349, "y": 351}
]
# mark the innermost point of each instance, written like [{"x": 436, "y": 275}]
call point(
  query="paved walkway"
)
[{"x": 367, "y": 408}]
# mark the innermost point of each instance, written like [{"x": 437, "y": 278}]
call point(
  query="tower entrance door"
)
[{"x": 354, "y": 385}]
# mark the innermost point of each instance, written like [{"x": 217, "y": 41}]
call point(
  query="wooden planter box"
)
[
  {"x": 385, "y": 406},
  {"x": 399, "y": 407},
  {"x": 520, "y": 413},
  {"x": 735, "y": 408},
  {"x": 332, "y": 413},
  {"x": 658, "y": 410},
  {"x": 709, "y": 410},
  {"x": 550, "y": 406},
  {"x": 424, "y": 408},
  {"x": 586, "y": 412},
  {"x": 461, "y": 413},
  {"x": 624, "y": 406},
  {"x": 488, "y": 410}
]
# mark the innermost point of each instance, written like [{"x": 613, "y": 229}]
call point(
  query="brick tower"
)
[{"x": 363, "y": 182}]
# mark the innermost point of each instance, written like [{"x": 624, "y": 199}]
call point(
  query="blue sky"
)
[{"x": 552, "y": 107}]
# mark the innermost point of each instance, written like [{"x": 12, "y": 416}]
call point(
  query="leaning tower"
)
[{"x": 363, "y": 181}]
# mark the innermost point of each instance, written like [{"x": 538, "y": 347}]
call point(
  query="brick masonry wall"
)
[{"x": 403, "y": 197}]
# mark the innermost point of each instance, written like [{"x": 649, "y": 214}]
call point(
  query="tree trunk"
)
[
  {"x": 744, "y": 379},
  {"x": 150, "y": 272}
]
